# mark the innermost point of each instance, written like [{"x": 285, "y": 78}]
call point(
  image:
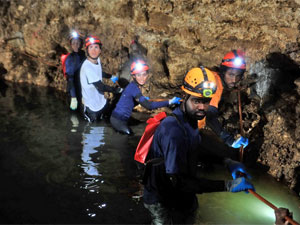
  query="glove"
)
[
  {"x": 174, "y": 100},
  {"x": 240, "y": 141},
  {"x": 239, "y": 184},
  {"x": 235, "y": 168},
  {"x": 147, "y": 98},
  {"x": 118, "y": 90},
  {"x": 114, "y": 79},
  {"x": 73, "y": 104}
]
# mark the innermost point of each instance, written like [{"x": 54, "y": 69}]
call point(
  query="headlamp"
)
[
  {"x": 207, "y": 92},
  {"x": 74, "y": 34},
  {"x": 238, "y": 61},
  {"x": 138, "y": 66},
  {"x": 208, "y": 89},
  {"x": 92, "y": 40}
]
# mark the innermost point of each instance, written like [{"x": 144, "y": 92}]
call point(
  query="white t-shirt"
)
[{"x": 90, "y": 73}]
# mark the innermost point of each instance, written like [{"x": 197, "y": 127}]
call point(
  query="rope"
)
[
  {"x": 293, "y": 222},
  {"x": 241, "y": 151}
]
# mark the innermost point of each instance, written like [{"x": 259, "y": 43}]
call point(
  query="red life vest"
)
[
  {"x": 63, "y": 58},
  {"x": 144, "y": 145}
]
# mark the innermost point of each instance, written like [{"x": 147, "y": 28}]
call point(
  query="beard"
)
[{"x": 197, "y": 115}]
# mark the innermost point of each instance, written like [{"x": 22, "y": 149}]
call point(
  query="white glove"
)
[{"x": 73, "y": 104}]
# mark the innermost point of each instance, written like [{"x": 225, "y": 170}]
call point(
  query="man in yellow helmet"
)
[{"x": 170, "y": 182}]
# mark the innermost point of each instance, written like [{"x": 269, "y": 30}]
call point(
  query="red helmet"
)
[
  {"x": 234, "y": 59},
  {"x": 138, "y": 66},
  {"x": 92, "y": 40}
]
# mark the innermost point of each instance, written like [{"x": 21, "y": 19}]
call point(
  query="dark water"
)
[{"x": 57, "y": 168}]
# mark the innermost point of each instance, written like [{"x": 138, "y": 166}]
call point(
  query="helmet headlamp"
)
[
  {"x": 74, "y": 34},
  {"x": 138, "y": 66},
  {"x": 92, "y": 40},
  {"x": 200, "y": 82},
  {"x": 238, "y": 62}
]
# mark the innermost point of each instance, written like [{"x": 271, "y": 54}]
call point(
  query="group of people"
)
[
  {"x": 171, "y": 183},
  {"x": 85, "y": 85}
]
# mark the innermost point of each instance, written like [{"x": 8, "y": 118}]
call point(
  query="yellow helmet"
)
[{"x": 200, "y": 82}]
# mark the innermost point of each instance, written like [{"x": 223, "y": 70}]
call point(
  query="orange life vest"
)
[{"x": 215, "y": 100}]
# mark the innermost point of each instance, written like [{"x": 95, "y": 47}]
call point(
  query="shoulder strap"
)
[
  {"x": 158, "y": 161},
  {"x": 63, "y": 58},
  {"x": 180, "y": 124},
  {"x": 147, "y": 137}
]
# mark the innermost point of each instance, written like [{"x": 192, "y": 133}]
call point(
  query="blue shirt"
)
[
  {"x": 178, "y": 143},
  {"x": 131, "y": 96},
  {"x": 73, "y": 62}
]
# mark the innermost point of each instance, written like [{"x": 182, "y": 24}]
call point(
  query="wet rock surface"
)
[{"x": 175, "y": 36}]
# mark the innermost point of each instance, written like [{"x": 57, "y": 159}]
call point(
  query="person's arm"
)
[
  {"x": 202, "y": 185},
  {"x": 143, "y": 101},
  {"x": 113, "y": 78},
  {"x": 70, "y": 66},
  {"x": 101, "y": 87},
  {"x": 213, "y": 122},
  {"x": 106, "y": 75},
  {"x": 175, "y": 153}
]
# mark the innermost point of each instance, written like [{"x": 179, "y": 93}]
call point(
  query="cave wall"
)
[{"x": 177, "y": 35}]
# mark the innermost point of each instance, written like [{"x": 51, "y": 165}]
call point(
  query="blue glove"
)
[
  {"x": 239, "y": 142},
  {"x": 114, "y": 79},
  {"x": 235, "y": 168},
  {"x": 239, "y": 184},
  {"x": 174, "y": 100},
  {"x": 147, "y": 98}
]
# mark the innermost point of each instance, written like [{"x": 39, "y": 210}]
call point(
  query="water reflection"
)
[
  {"x": 92, "y": 138},
  {"x": 84, "y": 173}
]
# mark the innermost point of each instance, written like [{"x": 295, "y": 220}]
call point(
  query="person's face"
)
[
  {"x": 141, "y": 78},
  {"x": 75, "y": 44},
  {"x": 196, "y": 107},
  {"x": 94, "y": 51},
  {"x": 232, "y": 77}
]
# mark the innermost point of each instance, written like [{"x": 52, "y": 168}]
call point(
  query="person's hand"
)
[
  {"x": 239, "y": 184},
  {"x": 147, "y": 98},
  {"x": 114, "y": 79},
  {"x": 118, "y": 90},
  {"x": 73, "y": 104},
  {"x": 280, "y": 215},
  {"x": 236, "y": 168},
  {"x": 174, "y": 100},
  {"x": 239, "y": 142}
]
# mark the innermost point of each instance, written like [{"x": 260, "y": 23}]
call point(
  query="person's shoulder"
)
[
  {"x": 170, "y": 126},
  {"x": 132, "y": 86},
  {"x": 70, "y": 56},
  {"x": 85, "y": 65}
]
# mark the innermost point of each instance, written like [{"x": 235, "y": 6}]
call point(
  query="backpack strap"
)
[{"x": 160, "y": 160}]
